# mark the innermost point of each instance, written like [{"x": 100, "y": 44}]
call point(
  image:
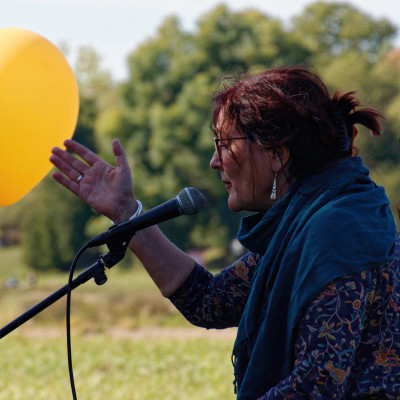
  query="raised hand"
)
[{"x": 107, "y": 189}]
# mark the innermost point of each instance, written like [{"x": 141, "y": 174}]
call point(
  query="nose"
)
[{"x": 215, "y": 162}]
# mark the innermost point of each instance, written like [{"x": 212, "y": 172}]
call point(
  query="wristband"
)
[{"x": 138, "y": 211}]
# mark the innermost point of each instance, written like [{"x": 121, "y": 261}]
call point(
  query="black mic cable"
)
[
  {"x": 189, "y": 201},
  {"x": 68, "y": 318}
]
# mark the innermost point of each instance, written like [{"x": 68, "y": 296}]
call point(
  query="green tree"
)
[
  {"x": 331, "y": 29},
  {"x": 351, "y": 51},
  {"x": 55, "y": 228},
  {"x": 162, "y": 113},
  {"x": 165, "y": 116},
  {"x": 387, "y": 174}
]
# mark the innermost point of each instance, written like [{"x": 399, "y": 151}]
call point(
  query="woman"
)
[{"x": 317, "y": 298}]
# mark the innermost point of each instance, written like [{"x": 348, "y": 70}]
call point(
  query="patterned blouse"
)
[{"x": 347, "y": 343}]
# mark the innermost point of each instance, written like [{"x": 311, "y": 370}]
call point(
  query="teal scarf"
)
[{"x": 332, "y": 224}]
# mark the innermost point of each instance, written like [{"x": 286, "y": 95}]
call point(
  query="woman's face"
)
[{"x": 248, "y": 175}]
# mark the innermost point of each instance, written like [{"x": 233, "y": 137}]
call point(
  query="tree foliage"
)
[
  {"x": 54, "y": 228},
  {"x": 331, "y": 29},
  {"x": 167, "y": 109},
  {"x": 162, "y": 112}
]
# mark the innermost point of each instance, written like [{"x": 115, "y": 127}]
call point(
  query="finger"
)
[
  {"x": 68, "y": 159},
  {"x": 68, "y": 183},
  {"x": 66, "y": 169},
  {"x": 120, "y": 155},
  {"x": 82, "y": 151}
]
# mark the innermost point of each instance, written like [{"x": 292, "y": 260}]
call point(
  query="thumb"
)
[{"x": 119, "y": 153}]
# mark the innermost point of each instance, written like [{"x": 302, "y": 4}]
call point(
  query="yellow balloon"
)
[{"x": 39, "y": 105}]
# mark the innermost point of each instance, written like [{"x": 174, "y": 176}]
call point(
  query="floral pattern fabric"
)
[
  {"x": 347, "y": 342},
  {"x": 216, "y": 301}
]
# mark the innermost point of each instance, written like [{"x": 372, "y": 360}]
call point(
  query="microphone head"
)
[{"x": 191, "y": 201}]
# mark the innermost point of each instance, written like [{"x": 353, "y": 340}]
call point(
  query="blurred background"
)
[{"x": 146, "y": 72}]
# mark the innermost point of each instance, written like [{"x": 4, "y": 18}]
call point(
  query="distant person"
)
[
  {"x": 317, "y": 297},
  {"x": 12, "y": 283}
]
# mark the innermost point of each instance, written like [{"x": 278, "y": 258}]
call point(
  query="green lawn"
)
[
  {"x": 128, "y": 300},
  {"x": 113, "y": 358},
  {"x": 115, "y": 368}
]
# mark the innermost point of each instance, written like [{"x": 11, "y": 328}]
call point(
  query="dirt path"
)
[
  {"x": 174, "y": 333},
  {"x": 140, "y": 333}
]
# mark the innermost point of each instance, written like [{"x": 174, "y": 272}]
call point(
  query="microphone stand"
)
[{"x": 95, "y": 271}]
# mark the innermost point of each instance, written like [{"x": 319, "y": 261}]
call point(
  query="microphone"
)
[{"x": 189, "y": 201}]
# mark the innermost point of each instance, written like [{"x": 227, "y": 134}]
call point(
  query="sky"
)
[{"x": 114, "y": 28}]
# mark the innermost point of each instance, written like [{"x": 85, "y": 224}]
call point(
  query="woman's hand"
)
[{"x": 107, "y": 189}]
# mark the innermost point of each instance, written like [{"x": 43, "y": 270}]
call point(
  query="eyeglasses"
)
[{"x": 219, "y": 144}]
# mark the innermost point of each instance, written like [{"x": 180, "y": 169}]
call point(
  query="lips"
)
[{"x": 227, "y": 184}]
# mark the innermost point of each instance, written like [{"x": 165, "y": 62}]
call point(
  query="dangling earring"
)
[{"x": 273, "y": 193}]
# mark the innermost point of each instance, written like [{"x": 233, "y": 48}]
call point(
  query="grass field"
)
[
  {"x": 127, "y": 342},
  {"x": 108, "y": 367}
]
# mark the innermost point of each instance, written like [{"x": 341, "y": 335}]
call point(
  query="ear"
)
[{"x": 280, "y": 158}]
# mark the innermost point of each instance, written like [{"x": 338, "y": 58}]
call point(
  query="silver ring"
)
[{"x": 79, "y": 178}]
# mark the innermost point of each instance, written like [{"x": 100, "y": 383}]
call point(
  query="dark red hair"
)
[{"x": 292, "y": 107}]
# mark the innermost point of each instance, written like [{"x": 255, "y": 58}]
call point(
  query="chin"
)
[{"x": 234, "y": 205}]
